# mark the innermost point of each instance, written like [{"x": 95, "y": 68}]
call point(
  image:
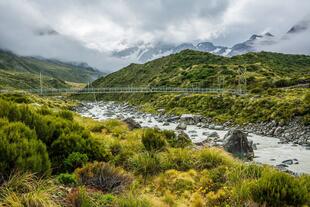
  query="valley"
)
[{"x": 98, "y": 146}]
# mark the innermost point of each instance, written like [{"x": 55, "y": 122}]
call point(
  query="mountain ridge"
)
[
  {"x": 142, "y": 53},
  {"x": 24, "y": 72},
  {"x": 201, "y": 69}
]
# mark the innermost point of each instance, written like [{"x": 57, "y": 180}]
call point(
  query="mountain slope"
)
[
  {"x": 142, "y": 53},
  {"x": 192, "y": 68},
  {"x": 24, "y": 72}
]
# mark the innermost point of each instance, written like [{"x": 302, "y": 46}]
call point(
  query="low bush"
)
[
  {"x": 176, "y": 181},
  {"x": 21, "y": 150},
  {"x": 67, "y": 144},
  {"x": 67, "y": 179},
  {"x": 27, "y": 190},
  {"x": 66, "y": 115},
  {"x": 153, "y": 140},
  {"x": 131, "y": 201},
  {"x": 75, "y": 160},
  {"x": 104, "y": 176},
  {"x": 209, "y": 158},
  {"x": 97, "y": 128},
  {"x": 145, "y": 164},
  {"x": 279, "y": 189},
  {"x": 245, "y": 172},
  {"x": 178, "y": 159},
  {"x": 178, "y": 141}
]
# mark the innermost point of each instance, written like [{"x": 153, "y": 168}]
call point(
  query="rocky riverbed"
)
[{"x": 281, "y": 151}]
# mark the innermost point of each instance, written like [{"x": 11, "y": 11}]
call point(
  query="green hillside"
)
[
  {"x": 277, "y": 86},
  {"x": 192, "y": 68},
  {"x": 24, "y": 72}
]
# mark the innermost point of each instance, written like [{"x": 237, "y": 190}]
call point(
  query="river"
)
[{"x": 268, "y": 151}]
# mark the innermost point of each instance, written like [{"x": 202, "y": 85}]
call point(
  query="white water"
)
[{"x": 268, "y": 150}]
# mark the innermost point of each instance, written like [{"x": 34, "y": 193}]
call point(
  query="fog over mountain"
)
[{"x": 111, "y": 34}]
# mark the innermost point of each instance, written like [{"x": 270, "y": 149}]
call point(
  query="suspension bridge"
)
[{"x": 115, "y": 90}]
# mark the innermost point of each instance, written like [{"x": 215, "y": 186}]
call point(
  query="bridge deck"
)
[{"x": 49, "y": 91}]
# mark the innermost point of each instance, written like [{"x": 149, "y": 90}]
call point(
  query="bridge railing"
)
[{"x": 51, "y": 91}]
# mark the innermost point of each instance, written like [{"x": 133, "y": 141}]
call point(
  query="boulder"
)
[
  {"x": 236, "y": 142},
  {"x": 181, "y": 126},
  {"x": 214, "y": 135},
  {"x": 166, "y": 124},
  {"x": 290, "y": 162},
  {"x": 132, "y": 124},
  {"x": 191, "y": 119},
  {"x": 218, "y": 127},
  {"x": 173, "y": 119},
  {"x": 205, "y": 133}
]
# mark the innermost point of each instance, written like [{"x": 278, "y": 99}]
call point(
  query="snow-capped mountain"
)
[
  {"x": 146, "y": 52},
  {"x": 143, "y": 53}
]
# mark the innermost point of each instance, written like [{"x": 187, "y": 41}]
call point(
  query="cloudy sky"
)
[{"x": 89, "y": 30}]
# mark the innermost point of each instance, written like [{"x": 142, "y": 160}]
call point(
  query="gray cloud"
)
[{"x": 90, "y": 30}]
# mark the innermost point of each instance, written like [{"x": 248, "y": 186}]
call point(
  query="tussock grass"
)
[{"x": 27, "y": 190}]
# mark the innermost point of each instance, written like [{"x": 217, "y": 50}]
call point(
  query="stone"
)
[
  {"x": 282, "y": 167},
  {"x": 236, "y": 142},
  {"x": 211, "y": 126},
  {"x": 214, "y": 135},
  {"x": 188, "y": 119},
  {"x": 132, "y": 124},
  {"x": 205, "y": 133},
  {"x": 192, "y": 132},
  {"x": 181, "y": 126},
  {"x": 199, "y": 124},
  {"x": 191, "y": 119},
  {"x": 290, "y": 162},
  {"x": 173, "y": 119},
  {"x": 218, "y": 127},
  {"x": 166, "y": 124}
]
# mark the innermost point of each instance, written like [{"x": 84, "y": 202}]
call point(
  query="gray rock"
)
[
  {"x": 236, "y": 142},
  {"x": 132, "y": 124},
  {"x": 205, "y": 133},
  {"x": 290, "y": 162},
  {"x": 218, "y": 127},
  {"x": 214, "y": 135},
  {"x": 166, "y": 124},
  {"x": 181, "y": 126},
  {"x": 199, "y": 124},
  {"x": 173, "y": 119},
  {"x": 211, "y": 126}
]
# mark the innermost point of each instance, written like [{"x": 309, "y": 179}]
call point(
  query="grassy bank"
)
[
  {"x": 280, "y": 105},
  {"x": 81, "y": 162}
]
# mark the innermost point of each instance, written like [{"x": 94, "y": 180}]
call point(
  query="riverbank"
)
[{"x": 268, "y": 150}]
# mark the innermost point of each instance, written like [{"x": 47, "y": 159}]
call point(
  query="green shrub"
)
[
  {"x": 75, "y": 160},
  {"x": 279, "y": 189},
  {"x": 131, "y": 201},
  {"x": 180, "y": 141},
  {"x": 245, "y": 171},
  {"x": 67, "y": 179},
  {"x": 145, "y": 164},
  {"x": 103, "y": 176},
  {"x": 209, "y": 158},
  {"x": 178, "y": 159},
  {"x": 176, "y": 181},
  {"x": 27, "y": 190},
  {"x": 21, "y": 150},
  {"x": 97, "y": 129},
  {"x": 153, "y": 140},
  {"x": 66, "y": 115},
  {"x": 67, "y": 144}
]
